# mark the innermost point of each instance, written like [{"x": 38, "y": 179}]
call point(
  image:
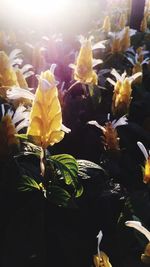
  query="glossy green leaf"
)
[
  {"x": 28, "y": 184},
  {"x": 58, "y": 195},
  {"x": 67, "y": 165},
  {"x": 87, "y": 168}
]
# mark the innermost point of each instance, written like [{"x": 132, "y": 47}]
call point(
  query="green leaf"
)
[
  {"x": 58, "y": 195},
  {"x": 67, "y": 165},
  {"x": 28, "y": 184},
  {"x": 22, "y": 136},
  {"x": 86, "y": 168}
]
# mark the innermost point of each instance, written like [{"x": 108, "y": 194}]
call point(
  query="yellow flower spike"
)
[
  {"x": 102, "y": 261},
  {"x": 146, "y": 178},
  {"x": 116, "y": 47},
  {"x": 125, "y": 42},
  {"x": 21, "y": 80},
  {"x": 122, "y": 91},
  {"x": 83, "y": 70},
  {"x": 122, "y": 21},
  {"x": 11, "y": 123},
  {"x": 146, "y": 168},
  {"x": 137, "y": 68},
  {"x": 46, "y": 116},
  {"x": 143, "y": 26},
  {"x": 106, "y": 24},
  {"x": 7, "y": 74}
]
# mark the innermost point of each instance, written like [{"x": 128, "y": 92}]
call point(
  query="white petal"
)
[
  {"x": 15, "y": 53},
  {"x": 3, "y": 109},
  {"x": 143, "y": 149},
  {"x": 96, "y": 62},
  {"x": 99, "y": 236},
  {"x": 136, "y": 57},
  {"x": 46, "y": 85},
  {"x": 26, "y": 68},
  {"x": 28, "y": 74},
  {"x": 20, "y": 114},
  {"x": 108, "y": 116},
  {"x": 53, "y": 67},
  {"x": 111, "y": 81},
  {"x": 145, "y": 61},
  {"x": 21, "y": 125},
  {"x": 132, "y": 32},
  {"x": 131, "y": 60},
  {"x": 133, "y": 77},
  {"x": 17, "y": 92},
  {"x": 121, "y": 121},
  {"x": 123, "y": 76},
  {"x": 116, "y": 74},
  {"x": 72, "y": 66},
  {"x": 98, "y": 45},
  {"x": 65, "y": 129},
  {"x": 138, "y": 226},
  {"x": 95, "y": 123}
]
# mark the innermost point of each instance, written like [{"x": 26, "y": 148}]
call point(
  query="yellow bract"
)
[
  {"x": 46, "y": 116},
  {"x": 106, "y": 24},
  {"x": 122, "y": 97},
  {"x": 7, "y": 74},
  {"x": 147, "y": 171},
  {"x": 21, "y": 80},
  {"x": 102, "y": 261},
  {"x": 83, "y": 70}
]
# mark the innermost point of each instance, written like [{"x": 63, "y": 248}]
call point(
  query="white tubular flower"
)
[
  {"x": 143, "y": 149},
  {"x": 138, "y": 226},
  {"x": 19, "y": 118},
  {"x": 17, "y": 92},
  {"x": 121, "y": 78},
  {"x": 14, "y": 57},
  {"x": 114, "y": 123}
]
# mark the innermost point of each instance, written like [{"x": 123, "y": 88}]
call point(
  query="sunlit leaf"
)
[
  {"x": 28, "y": 184},
  {"x": 67, "y": 165},
  {"x": 86, "y": 168}
]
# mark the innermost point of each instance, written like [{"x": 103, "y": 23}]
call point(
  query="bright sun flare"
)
[{"x": 40, "y": 7}]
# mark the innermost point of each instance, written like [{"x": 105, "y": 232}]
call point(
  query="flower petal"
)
[
  {"x": 143, "y": 149},
  {"x": 138, "y": 226}
]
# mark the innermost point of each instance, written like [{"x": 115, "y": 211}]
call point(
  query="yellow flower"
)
[
  {"x": 106, "y": 24},
  {"x": 125, "y": 41},
  {"x": 102, "y": 261},
  {"x": 120, "y": 41},
  {"x": 83, "y": 69},
  {"x": 7, "y": 74},
  {"x": 146, "y": 169},
  {"x": 122, "y": 91},
  {"x": 46, "y": 116},
  {"x": 143, "y": 26},
  {"x": 8, "y": 128},
  {"x": 122, "y": 21},
  {"x": 21, "y": 80},
  {"x": 115, "y": 47}
]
